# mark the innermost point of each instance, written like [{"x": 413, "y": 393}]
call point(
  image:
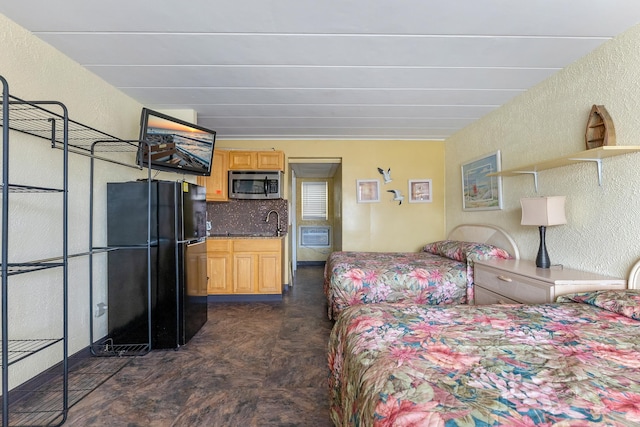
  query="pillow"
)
[
  {"x": 465, "y": 251},
  {"x": 621, "y": 301}
]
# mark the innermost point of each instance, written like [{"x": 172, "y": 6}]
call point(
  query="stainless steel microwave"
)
[{"x": 258, "y": 185}]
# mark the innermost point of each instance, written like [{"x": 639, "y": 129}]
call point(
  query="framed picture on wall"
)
[
  {"x": 420, "y": 191},
  {"x": 481, "y": 192},
  {"x": 368, "y": 190}
]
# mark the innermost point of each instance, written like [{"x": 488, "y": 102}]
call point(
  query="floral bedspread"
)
[
  {"x": 442, "y": 273},
  {"x": 575, "y": 363},
  {"x": 370, "y": 277}
]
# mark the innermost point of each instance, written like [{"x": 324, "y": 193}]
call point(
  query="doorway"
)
[{"x": 313, "y": 238}]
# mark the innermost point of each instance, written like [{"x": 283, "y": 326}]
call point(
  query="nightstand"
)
[{"x": 521, "y": 282}]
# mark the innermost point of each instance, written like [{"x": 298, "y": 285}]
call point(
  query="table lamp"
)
[{"x": 543, "y": 212}]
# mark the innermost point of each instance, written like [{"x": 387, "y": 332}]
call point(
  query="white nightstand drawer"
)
[
  {"x": 521, "y": 281},
  {"x": 484, "y": 296},
  {"x": 510, "y": 285}
]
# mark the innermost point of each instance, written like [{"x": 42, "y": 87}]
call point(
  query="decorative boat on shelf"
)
[{"x": 600, "y": 130}]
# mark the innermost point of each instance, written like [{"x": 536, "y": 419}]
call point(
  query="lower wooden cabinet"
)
[
  {"x": 219, "y": 267},
  {"x": 269, "y": 278},
  {"x": 196, "y": 260},
  {"x": 245, "y": 266}
]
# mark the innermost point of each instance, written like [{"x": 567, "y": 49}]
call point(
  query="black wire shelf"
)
[
  {"x": 27, "y": 267},
  {"x": 32, "y": 118},
  {"x": 19, "y": 349},
  {"x": 108, "y": 349},
  {"x": 16, "y": 188}
]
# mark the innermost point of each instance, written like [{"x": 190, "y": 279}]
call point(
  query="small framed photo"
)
[
  {"x": 481, "y": 190},
  {"x": 420, "y": 191},
  {"x": 368, "y": 190}
]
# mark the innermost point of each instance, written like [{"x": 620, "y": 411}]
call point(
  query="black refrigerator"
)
[{"x": 157, "y": 269}]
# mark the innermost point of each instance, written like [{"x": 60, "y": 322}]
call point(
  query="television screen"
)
[{"x": 174, "y": 145}]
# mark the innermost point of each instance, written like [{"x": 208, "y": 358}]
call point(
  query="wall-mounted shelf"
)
[{"x": 594, "y": 155}]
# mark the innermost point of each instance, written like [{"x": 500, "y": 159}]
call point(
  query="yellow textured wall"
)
[
  {"x": 36, "y": 71},
  {"x": 549, "y": 121},
  {"x": 383, "y": 226}
]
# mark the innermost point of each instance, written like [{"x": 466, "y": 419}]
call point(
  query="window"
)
[{"x": 314, "y": 200}]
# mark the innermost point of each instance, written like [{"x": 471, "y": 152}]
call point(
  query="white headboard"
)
[
  {"x": 634, "y": 276},
  {"x": 485, "y": 233}
]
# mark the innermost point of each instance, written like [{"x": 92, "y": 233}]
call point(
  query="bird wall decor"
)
[
  {"x": 386, "y": 174},
  {"x": 397, "y": 196}
]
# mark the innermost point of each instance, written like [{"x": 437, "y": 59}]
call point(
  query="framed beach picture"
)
[
  {"x": 479, "y": 190},
  {"x": 368, "y": 190},
  {"x": 420, "y": 191}
]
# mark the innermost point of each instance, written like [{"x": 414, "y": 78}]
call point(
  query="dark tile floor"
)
[{"x": 252, "y": 364}]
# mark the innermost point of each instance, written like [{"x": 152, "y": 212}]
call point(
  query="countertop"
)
[{"x": 245, "y": 236}]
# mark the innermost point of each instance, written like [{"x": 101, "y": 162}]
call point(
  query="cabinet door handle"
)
[{"x": 505, "y": 278}]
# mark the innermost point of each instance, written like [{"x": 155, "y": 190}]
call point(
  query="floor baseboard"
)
[{"x": 310, "y": 263}]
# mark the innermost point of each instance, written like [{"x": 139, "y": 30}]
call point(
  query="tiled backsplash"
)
[{"x": 247, "y": 216}]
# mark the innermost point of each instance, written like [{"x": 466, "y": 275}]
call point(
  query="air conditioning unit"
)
[{"x": 315, "y": 236}]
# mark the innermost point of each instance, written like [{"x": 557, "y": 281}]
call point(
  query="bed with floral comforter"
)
[
  {"x": 572, "y": 363},
  {"x": 442, "y": 273}
]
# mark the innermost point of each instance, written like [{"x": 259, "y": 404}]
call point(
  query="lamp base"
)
[{"x": 542, "y": 260}]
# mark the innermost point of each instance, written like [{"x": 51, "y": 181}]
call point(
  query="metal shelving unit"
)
[
  {"x": 104, "y": 347},
  {"x": 49, "y": 406},
  {"x": 34, "y": 118}
]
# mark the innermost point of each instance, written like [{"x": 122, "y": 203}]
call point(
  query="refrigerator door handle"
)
[{"x": 190, "y": 241}]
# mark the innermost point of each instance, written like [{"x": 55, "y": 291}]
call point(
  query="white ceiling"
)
[{"x": 410, "y": 69}]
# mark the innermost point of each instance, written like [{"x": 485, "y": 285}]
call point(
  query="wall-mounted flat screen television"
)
[{"x": 174, "y": 145}]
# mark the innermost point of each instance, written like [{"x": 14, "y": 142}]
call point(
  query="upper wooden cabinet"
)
[
  {"x": 256, "y": 160},
  {"x": 270, "y": 160},
  {"x": 217, "y": 183}
]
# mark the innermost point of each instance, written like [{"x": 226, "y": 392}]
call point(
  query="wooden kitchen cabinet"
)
[
  {"x": 257, "y": 266},
  {"x": 256, "y": 160},
  {"x": 245, "y": 266},
  {"x": 270, "y": 160},
  {"x": 219, "y": 267},
  {"x": 197, "y": 259},
  {"x": 269, "y": 273},
  {"x": 256, "y": 273},
  {"x": 217, "y": 183},
  {"x": 243, "y": 160}
]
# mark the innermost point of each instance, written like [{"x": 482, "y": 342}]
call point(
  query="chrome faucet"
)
[{"x": 278, "y": 229}]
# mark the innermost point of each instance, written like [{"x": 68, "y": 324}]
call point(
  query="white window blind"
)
[{"x": 314, "y": 200}]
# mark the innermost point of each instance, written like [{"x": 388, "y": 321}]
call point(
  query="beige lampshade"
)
[{"x": 543, "y": 211}]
